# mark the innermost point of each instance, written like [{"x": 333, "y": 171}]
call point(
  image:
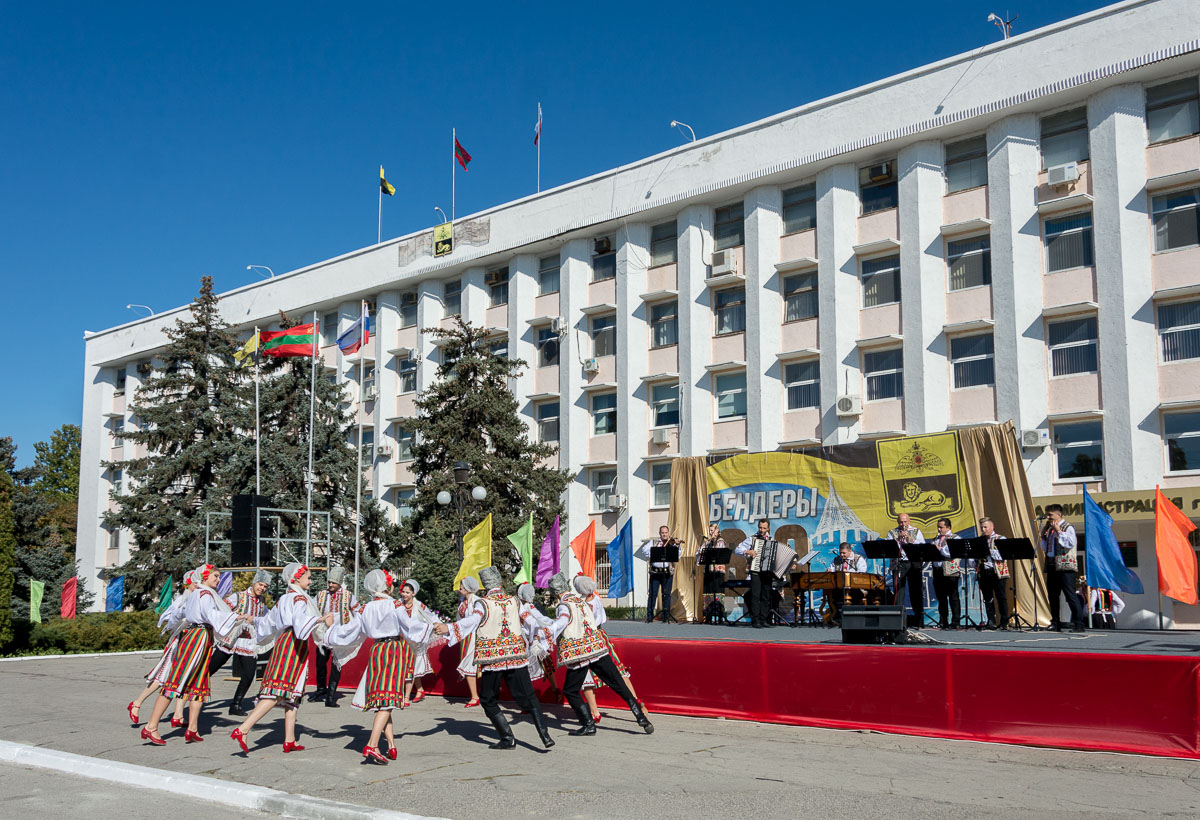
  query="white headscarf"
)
[
  {"x": 412, "y": 583},
  {"x": 525, "y": 592},
  {"x": 290, "y": 573},
  {"x": 377, "y": 583},
  {"x": 585, "y": 585},
  {"x": 470, "y": 584}
]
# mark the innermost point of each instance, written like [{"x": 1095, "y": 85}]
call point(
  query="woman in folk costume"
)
[
  {"x": 586, "y": 587},
  {"x": 387, "y": 622},
  {"x": 293, "y": 618},
  {"x": 469, "y": 591},
  {"x": 170, "y": 623},
  {"x": 245, "y": 649},
  {"x": 421, "y": 665},
  {"x": 204, "y": 614},
  {"x": 541, "y": 647}
]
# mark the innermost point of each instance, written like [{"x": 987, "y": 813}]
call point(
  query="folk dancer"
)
[
  {"x": 760, "y": 581},
  {"x": 662, "y": 574},
  {"x": 586, "y": 586},
  {"x": 1060, "y": 544},
  {"x": 421, "y": 666},
  {"x": 582, "y": 649},
  {"x": 946, "y": 574},
  {"x": 714, "y": 577},
  {"x": 395, "y": 632},
  {"x": 541, "y": 647},
  {"x": 204, "y": 614},
  {"x": 1105, "y": 605},
  {"x": 245, "y": 651},
  {"x": 909, "y": 573},
  {"x": 333, "y": 599},
  {"x": 992, "y": 574},
  {"x": 170, "y": 623},
  {"x": 468, "y": 593},
  {"x": 290, "y": 622},
  {"x": 501, "y": 654},
  {"x": 847, "y": 560}
]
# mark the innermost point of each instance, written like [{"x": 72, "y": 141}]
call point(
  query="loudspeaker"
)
[
  {"x": 245, "y": 508},
  {"x": 873, "y": 624}
]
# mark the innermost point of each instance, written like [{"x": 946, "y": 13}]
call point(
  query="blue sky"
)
[{"x": 144, "y": 145}]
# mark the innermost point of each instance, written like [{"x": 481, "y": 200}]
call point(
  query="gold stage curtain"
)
[
  {"x": 999, "y": 489},
  {"x": 688, "y": 521}
]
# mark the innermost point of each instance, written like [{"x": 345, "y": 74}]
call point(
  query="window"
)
[
  {"x": 877, "y": 187},
  {"x": 547, "y": 345},
  {"x": 884, "y": 370},
  {"x": 1073, "y": 346},
  {"x": 1069, "y": 242},
  {"x": 329, "y": 329},
  {"x": 729, "y": 231},
  {"x": 974, "y": 360},
  {"x": 799, "y": 297},
  {"x": 368, "y": 380},
  {"x": 664, "y": 401},
  {"x": 547, "y": 421},
  {"x": 1172, "y": 110},
  {"x": 407, "y": 370},
  {"x": 497, "y": 284},
  {"x": 664, "y": 249},
  {"x": 114, "y": 539},
  {"x": 1179, "y": 329},
  {"x": 1079, "y": 450},
  {"x": 404, "y": 444},
  {"x": 881, "y": 281},
  {"x": 730, "y": 310},
  {"x": 664, "y": 324},
  {"x": 604, "y": 259},
  {"x": 1183, "y": 441},
  {"x": 118, "y": 430},
  {"x": 368, "y": 445},
  {"x": 404, "y": 503},
  {"x": 660, "y": 481},
  {"x": 604, "y": 336},
  {"x": 1176, "y": 220},
  {"x": 604, "y": 485},
  {"x": 408, "y": 309},
  {"x": 800, "y": 208},
  {"x": 115, "y": 477},
  {"x": 731, "y": 395},
  {"x": 452, "y": 297},
  {"x": 548, "y": 275},
  {"x": 803, "y": 383},
  {"x": 970, "y": 262},
  {"x": 1064, "y": 137},
  {"x": 966, "y": 164},
  {"x": 499, "y": 349},
  {"x": 121, "y": 379},
  {"x": 604, "y": 413}
]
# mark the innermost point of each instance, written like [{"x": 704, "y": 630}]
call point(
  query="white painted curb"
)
[
  {"x": 82, "y": 655},
  {"x": 179, "y": 784}
]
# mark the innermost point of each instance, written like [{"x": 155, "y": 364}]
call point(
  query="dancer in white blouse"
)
[{"x": 169, "y": 623}]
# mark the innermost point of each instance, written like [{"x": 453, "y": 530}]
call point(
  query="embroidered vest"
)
[
  {"x": 498, "y": 638},
  {"x": 582, "y": 640},
  {"x": 1065, "y": 560},
  {"x": 343, "y": 602}
]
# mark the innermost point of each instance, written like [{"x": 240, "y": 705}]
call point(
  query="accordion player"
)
[{"x": 764, "y": 558}]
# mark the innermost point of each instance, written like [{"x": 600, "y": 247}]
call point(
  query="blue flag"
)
[
  {"x": 1105, "y": 567},
  {"x": 225, "y": 584},
  {"x": 620, "y": 557},
  {"x": 114, "y": 596}
]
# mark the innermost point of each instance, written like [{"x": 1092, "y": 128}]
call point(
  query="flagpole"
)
[
  {"x": 379, "y": 231},
  {"x": 539, "y": 146},
  {"x": 257, "y": 451},
  {"x": 312, "y": 414},
  {"x": 453, "y": 170},
  {"x": 358, "y": 471}
]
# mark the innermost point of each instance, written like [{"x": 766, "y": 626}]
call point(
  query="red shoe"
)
[
  {"x": 240, "y": 737},
  {"x": 372, "y": 754},
  {"x": 133, "y": 718},
  {"x": 420, "y": 697},
  {"x": 471, "y": 702},
  {"x": 392, "y": 753},
  {"x": 153, "y": 737},
  {"x": 178, "y": 722},
  {"x": 192, "y": 737},
  {"x": 292, "y": 747},
  {"x": 596, "y": 718},
  {"x": 405, "y": 703}
]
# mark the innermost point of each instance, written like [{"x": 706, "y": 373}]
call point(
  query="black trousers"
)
[
  {"x": 244, "y": 666},
  {"x": 604, "y": 669},
  {"x": 1061, "y": 583},
  {"x": 518, "y": 684},
  {"x": 912, "y": 575},
  {"x": 945, "y": 587},
  {"x": 759, "y": 597},
  {"x": 660, "y": 581},
  {"x": 334, "y": 674},
  {"x": 994, "y": 596}
]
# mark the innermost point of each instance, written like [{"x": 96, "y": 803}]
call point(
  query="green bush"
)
[{"x": 89, "y": 632}]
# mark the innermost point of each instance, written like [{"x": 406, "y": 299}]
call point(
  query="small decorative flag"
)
[
  {"x": 225, "y": 584},
  {"x": 295, "y": 341},
  {"x": 584, "y": 547},
  {"x": 248, "y": 351},
  {"x": 461, "y": 154},
  {"x": 477, "y": 550},
  {"x": 548, "y": 559},
  {"x": 522, "y": 539},
  {"x": 36, "y": 590},
  {"x": 1105, "y": 567},
  {"x": 355, "y": 336},
  {"x": 537, "y": 129},
  {"x": 385, "y": 187},
  {"x": 165, "y": 595},
  {"x": 620, "y": 557},
  {"x": 1176, "y": 558},
  {"x": 68, "y": 597},
  {"x": 114, "y": 596}
]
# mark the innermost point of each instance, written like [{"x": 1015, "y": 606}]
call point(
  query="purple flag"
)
[{"x": 548, "y": 557}]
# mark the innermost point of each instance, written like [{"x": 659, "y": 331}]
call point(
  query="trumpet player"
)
[
  {"x": 909, "y": 573},
  {"x": 661, "y": 574},
  {"x": 1060, "y": 544}
]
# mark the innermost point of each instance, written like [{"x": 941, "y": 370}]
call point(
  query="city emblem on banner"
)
[{"x": 922, "y": 476}]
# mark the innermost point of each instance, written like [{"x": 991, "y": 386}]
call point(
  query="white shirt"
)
[
  {"x": 644, "y": 554},
  {"x": 943, "y": 545},
  {"x": 201, "y": 608},
  {"x": 381, "y": 618},
  {"x": 917, "y": 537},
  {"x": 290, "y": 612},
  {"x": 1060, "y": 543}
]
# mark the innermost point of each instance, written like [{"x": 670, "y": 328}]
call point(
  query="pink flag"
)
[
  {"x": 68, "y": 598},
  {"x": 548, "y": 557}
]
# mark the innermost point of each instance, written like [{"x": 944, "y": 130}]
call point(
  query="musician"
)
[
  {"x": 761, "y": 580},
  {"x": 992, "y": 574},
  {"x": 945, "y": 578},
  {"x": 1060, "y": 544},
  {"x": 662, "y": 574},
  {"x": 909, "y": 573},
  {"x": 1105, "y": 606},
  {"x": 714, "y": 574},
  {"x": 847, "y": 560}
]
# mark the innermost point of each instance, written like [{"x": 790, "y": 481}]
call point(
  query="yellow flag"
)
[
  {"x": 477, "y": 550},
  {"x": 247, "y": 350}
]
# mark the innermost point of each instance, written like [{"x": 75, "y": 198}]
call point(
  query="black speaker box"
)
[
  {"x": 873, "y": 624},
  {"x": 242, "y": 532}
]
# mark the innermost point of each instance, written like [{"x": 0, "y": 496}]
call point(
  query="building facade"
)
[{"x": 1006, "y": 234}]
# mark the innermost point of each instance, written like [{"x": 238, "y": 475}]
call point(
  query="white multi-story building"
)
[{"x": 1006, "y": 234}]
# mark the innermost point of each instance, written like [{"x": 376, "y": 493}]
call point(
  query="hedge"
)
[{"x": 88, "y": 632}]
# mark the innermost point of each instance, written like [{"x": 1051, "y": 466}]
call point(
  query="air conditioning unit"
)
[
  {"x": 405, "y": 353},
  {"x": 880, "y": 172},
  {"x": 145, "y": 368},
  {"x": 383, "y": 450},
  {"x": 617, "y": 502},
  {"x": 370, "y": 394},
  {"x": 1035, "y": 438},
  {"x": 724, "y": 262},
  {"x": 661, "y": 435},
  {"x": 848, "y": 406},
  {"x": 1062, "y": 174},
  {"x": 602, "y": 245},
  {"x": 591, "y": 365},
  {"x": 557, "y": 325},
  {"x": 496, "y": 277}
]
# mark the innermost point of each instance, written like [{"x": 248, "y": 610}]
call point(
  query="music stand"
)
[
  {"x": 810, "y": 616},
  {"x": 708, "y": 557},
  {"x": 660, "y": 555},
  {"x": 976, "y": 550},
  {"x": 1020, "y": 549}
]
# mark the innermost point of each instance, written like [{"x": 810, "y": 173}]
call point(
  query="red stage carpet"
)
[{"x": 1146, "y": 704}]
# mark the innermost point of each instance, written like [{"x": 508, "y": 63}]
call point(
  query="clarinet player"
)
[
  {"x": 1062, "y": 564},
  {"x": 909, "y": 573},
  {"x": 760, "y": 580}
]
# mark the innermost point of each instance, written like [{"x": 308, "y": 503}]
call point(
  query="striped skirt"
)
[
  {"x": 466, "y": 664},
  {"x": 287, "y": 671},
  {"x": 189, "y": 667},
  {"x": 389, "y": 666},
  {"x": 162, "y": 670}
]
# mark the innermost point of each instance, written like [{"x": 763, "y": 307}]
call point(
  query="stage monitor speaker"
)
[
  {"x": 241, "y": 536},
  {"x": 873, "y": 624}
]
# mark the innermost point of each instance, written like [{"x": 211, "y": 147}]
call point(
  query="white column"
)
[
  {"x": 387, "y": 383},
  {"x": 840, "y": 297},
  {"x": 90, "y": 542},
  {"x": 633, "y": 335},
  {"x": 1014, "y": 160},
  {"x": 1125, "y": 289},
  {"x": 574, "y": 416},
  {"x": 522, "y": 339},
  {"x": 475, "y": 297},
  {"x": 430, "y": 312},
  {"x": 695, "y": 330},
  {"x": 133, "y": 381},
  {"x": 764, "y": 320},
  {"x": 923, "y": 288}
]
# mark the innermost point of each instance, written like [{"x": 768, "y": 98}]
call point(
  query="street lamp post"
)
[{"x": 462, "y": 477}]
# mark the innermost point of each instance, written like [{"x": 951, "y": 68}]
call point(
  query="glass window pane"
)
[
  {"x": 664, "y": 401},
  {"x": 452, "y": 297},
  {"x": 1069, "y": 242},
  {"x": 729, "y": 229},
  {"x": 800, "y": 208},
  {"x": 664, "y": 325},
  {"x": 730, "y": 310},
  {"x": 800, "y": 297},
  {"x": 1179, "y": 328},
  {"x": 663, "y": 245},
  {"x": 802, "y": 380},
  {"x": 969, "y": 262},
  {"x": 1079, "y": 449},
  {"x": 604, "y": 267},
  {"x": 548, "y": 275},
  {"x": 966, "y": 164},
  {"x": 881, "y": 281},
  {"x": 604, "y": 336},
  {"x": 660, "y": 477},
  {"x": 1183, "y": 441}
]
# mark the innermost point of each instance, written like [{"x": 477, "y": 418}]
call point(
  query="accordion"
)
[{"x": 773, "y": 557}]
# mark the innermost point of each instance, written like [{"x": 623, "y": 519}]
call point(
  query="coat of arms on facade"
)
[{"x": 921, "y": 476}]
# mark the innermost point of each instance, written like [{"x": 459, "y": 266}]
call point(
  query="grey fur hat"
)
[
  {"x": 263, "y": 577},
  {"x": 584, "y": 585},
  {"x": 336, "y": 575},
  {"x": 558, "y": 584},
  {"x": 525, "y": 592},
  {"x": 490, "y": 578}
]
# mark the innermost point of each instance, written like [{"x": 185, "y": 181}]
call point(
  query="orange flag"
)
[
  {"x": 1176, "y": 559},
  {"x": 584, "y": 547}
]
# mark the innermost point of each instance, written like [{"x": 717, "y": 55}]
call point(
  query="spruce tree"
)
[
  {"x": 469, "y": 414},
  {"x": 8, "y": 543}
]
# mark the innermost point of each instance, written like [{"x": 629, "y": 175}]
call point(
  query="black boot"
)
[
  {"x": 331, "y": 700},
  {"x": 540, "y": 723},
  {"x": 640, "y": 717},
  {"x": 318, "y": 694},
  {"x": 588, "y": 726},
  {"x": 507, "y": 741}
]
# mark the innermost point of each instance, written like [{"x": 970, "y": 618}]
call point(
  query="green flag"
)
[
  {"x": 522, "y": 539},
  {"x": 164, "y": 596},
  {"x": 36, "y": 589}
]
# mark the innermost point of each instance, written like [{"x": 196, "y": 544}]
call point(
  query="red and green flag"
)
[
  {"x": 295, "y": 341},
  {"x": 461, "y": 154}
]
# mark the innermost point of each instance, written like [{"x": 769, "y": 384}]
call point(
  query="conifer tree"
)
[{"x": 8, "y": 543}]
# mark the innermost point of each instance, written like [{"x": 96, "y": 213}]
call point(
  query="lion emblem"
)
[{"x": 914, "y": 499}]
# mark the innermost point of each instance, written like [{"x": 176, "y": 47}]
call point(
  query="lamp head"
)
[
  {"x": 479, "y": 493},
  {"x": 462, "y": 472},
  {"x": 443, "y": 498}
]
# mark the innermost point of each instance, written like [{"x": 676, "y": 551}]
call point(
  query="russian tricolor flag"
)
[{"x": 355, "y": 336}]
